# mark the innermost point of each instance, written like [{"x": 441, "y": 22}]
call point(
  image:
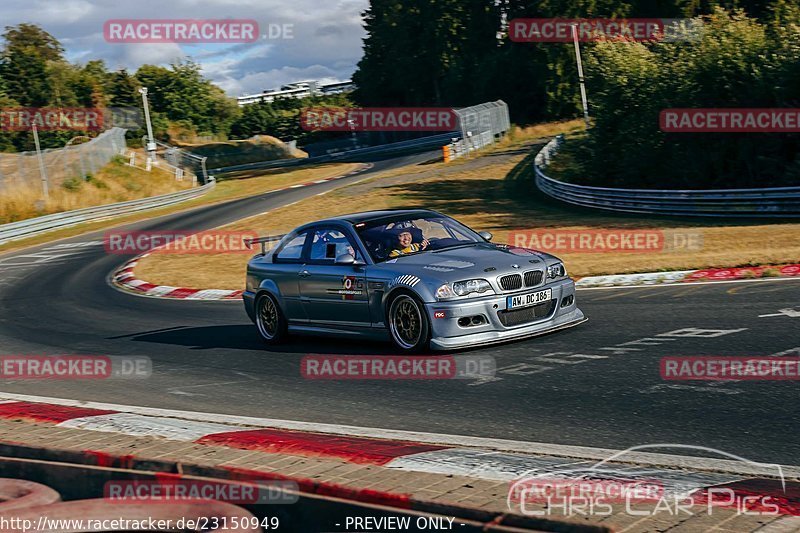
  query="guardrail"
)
[
  {"x": 478, "y": 126},
  {"x": 463, "y": 147},
  {"x": 413, "y": 145},
  {"x": 35, "y": 226},
  {"x": 765, "y": 202}
]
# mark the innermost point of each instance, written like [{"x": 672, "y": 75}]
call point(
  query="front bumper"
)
[{"x": 447, "y": 334}]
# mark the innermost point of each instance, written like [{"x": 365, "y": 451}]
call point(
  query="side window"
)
[
  {"x": 328, "y": 244},
  {"x": 292, "y": 251}
]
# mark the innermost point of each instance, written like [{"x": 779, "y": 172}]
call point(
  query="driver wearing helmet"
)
[{"x": 405, "y": 246}]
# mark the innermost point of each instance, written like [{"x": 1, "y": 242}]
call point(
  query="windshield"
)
[{"x": 394, "y": 238}]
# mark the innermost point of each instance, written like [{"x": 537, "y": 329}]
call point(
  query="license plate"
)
[{"x": 526, "y": 300}]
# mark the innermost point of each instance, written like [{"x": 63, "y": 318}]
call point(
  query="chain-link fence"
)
[
  {"x": 480, "y": 126},
  {"x": 76, "y": 159}
]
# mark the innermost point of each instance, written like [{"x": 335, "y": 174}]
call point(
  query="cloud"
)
[{"x": 326, "y": 38}]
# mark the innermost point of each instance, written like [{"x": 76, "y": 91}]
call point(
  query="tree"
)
[
  {"x": 34, "y": 73},
  {"x": 182, "y": 94},
  {"x": 256, "y": 119},
  {"x": 443, "y": 52},
  {"x": 122, "y": 90},
  {"x": 378, "y": 77},
  {"x": 24, "y": 63},
  {"x": 94, "y": 79},
  {"x": 426, "y": 52},
  {"x": 6, "y": 138},
  {"x": 738, "y": 62}
]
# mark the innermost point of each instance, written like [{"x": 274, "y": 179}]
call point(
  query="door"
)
[
  {"x": 285, "y": 270},
  {"x": 334, "y": 294}
]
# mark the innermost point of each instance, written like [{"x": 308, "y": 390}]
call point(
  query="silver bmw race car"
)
[{"x": 419, "y": 276}]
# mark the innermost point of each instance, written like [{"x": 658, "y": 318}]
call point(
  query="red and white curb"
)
[
  {"x": 360, "y": 450},
  {"x": 420, "y": 454},
  {"x": 690, "y": 276},
  {"x": 125, "y": 278}
]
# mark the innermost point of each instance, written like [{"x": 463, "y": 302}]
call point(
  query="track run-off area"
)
[{"x": 595, "y": 385}]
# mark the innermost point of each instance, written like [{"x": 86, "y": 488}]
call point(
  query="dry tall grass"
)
[
  {"x": 477, "y": 192},
  {"x": 115, "y": 182}
]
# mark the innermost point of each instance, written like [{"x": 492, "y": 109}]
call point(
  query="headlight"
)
[
  {"x": 462, "y": 288},
  {"x": 556, "y": 271},
  {"x": 445, "y": 292}
]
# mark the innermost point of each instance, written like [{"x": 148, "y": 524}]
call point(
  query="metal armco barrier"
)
[
  {"x": 178, "y": 161},
  {"x": 413, "y": 145},
  {"x": 763, "y": 203},
  {"x": 35, "y": 226}
]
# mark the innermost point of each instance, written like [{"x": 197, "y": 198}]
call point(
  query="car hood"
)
[{"x": 481, "y": 260}]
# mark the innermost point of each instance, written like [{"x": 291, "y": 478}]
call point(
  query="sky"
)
[{"x": 325, "y": 44}]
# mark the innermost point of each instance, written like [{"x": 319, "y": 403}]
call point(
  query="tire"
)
[
  {"x": 408, "y": 323},
  {"x": 269, "y": 319}
]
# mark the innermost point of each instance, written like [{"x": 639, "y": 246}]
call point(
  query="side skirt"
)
[{"x": 367, "y": 332}]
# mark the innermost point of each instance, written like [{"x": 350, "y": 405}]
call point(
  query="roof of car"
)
[{"x": 368, "y": 216}]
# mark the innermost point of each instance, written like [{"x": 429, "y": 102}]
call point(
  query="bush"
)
[
  {"x": 72, "y": 184},
  {"x": 98, "y": 183},
  {"x": 736, "y": 62}
]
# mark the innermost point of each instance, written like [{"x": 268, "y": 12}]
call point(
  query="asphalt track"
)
[{"x": 594, "y": 385}]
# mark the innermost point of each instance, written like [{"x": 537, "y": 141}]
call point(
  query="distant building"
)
[
  {"x": 300, "y": 89},
  {"x": 337, "y": 88}
]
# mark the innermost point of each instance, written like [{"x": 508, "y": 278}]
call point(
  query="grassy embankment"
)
[
  {"x": 494, "y": 192},
  {"x": 116, "y": 175}
]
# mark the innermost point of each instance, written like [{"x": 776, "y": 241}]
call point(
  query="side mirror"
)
[
  {"x": 486, "y": 235},
  {"x": 345, "y": 259}
]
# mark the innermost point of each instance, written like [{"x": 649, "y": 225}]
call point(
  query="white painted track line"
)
[
  {"x": 145, "y": 426},
  {"x": 506, "y": 467}
]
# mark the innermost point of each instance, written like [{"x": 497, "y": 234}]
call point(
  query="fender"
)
[
  {"x": 268, "y": 285},
  {"x": 424, "y": 291},
  {"x": 249, "y": 297},
  {"x": 387, "y": 297}
]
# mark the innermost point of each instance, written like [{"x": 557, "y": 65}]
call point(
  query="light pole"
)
[
  {"x": 151, "y": 143},
  {"x": 580, "y": 74}
]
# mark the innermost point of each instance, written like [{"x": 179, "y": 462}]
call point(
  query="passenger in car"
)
[{"x": 405, "y": 246}]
